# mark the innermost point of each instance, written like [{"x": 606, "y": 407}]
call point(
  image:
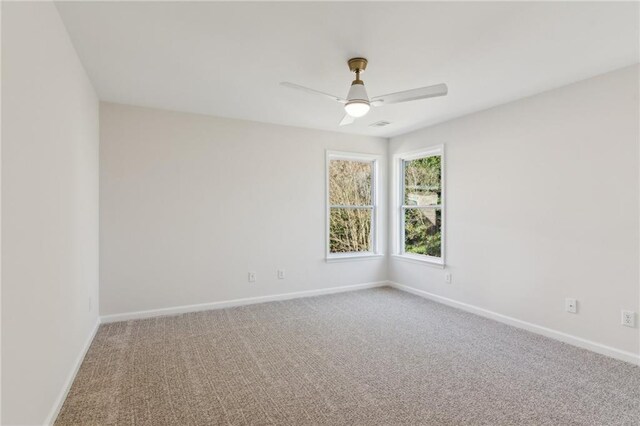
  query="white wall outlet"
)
[
  {"x": 571, "y": 305},
  {"x": 281, "y": 274},
  {"x": 447, "y": 277},
  {"x": 628, "y": 318},
  {"x": 252, "y": 277},
  {"x": 90, "y": 304}
]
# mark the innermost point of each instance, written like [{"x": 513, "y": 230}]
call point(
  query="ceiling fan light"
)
[
  {"x": 357, "y": 100},
  {"x": 357, "y": 108}
]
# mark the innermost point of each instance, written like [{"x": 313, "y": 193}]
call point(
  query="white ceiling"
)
[{"x": 226, "y": 59}]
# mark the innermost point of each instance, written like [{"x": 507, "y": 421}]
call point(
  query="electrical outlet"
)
[
  {"x": 447, "y": 277},
  {"x": 571, "y": 305},
  {"x": 628, "y": 318},
  {"x": 252, "y": 277},
  {"x": 90, "y": 305},
  {"x": 281, "y": 274}
]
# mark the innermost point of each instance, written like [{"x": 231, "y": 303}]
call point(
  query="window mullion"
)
[{"x": 433, "y": 206}]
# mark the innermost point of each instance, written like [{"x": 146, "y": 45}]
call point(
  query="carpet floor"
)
[{"x": 370, "y": 357}]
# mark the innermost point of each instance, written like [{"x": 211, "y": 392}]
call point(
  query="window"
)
[
  {"x": 420, "y": 209},
  {"x": 351, "y": 205}
]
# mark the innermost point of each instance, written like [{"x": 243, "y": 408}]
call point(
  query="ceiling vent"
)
[{"x": 379, "y": 124}]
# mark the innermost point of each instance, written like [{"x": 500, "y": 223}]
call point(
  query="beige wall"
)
[
  {"x": 189, "y": 204},
  {"x": 542, "y": 204},
  {"x": 49, "y": 211}
]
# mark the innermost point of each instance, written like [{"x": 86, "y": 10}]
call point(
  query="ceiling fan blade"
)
[
  {"x": 346, "y": 120},
  {"x": 313, "y": 91},
  {"x": 410, "y": 95}
]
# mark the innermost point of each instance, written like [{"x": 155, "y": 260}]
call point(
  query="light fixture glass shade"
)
[
  {"x": 357, "y": 108},
  {"x": 357, "y": 100}
]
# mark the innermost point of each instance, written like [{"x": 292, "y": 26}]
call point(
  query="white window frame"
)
[
  {"x": 397, "y": 211},
  {"x": 375, "y": 214}
]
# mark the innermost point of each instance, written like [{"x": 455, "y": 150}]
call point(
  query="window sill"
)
[
  {"x": 424, "y": 260},
  {"x": 354, "y": 256}
]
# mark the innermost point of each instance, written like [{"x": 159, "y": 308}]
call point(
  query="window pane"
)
[
  {"x": 350, "y": 183},
  {"x": 422, "y": 231},
  {"x": 350, "y": 230},
  {"x": 422, "y": 181}
]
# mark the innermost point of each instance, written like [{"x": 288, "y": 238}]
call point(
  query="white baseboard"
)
[
  {"x": 71, "y": 376},
  {"x": 235, "y": 302},
  {"x": 548, "y": 332}
]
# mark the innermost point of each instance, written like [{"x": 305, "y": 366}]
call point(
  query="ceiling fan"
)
[{"x": 357, "y": 102}]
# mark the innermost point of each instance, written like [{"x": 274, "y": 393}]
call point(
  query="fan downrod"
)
[{"x": 357, "y": 65}]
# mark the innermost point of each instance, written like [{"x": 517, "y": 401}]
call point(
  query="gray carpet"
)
[{"x": 371, "y": 357}]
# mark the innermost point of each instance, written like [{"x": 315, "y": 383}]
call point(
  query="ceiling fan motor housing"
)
[{"x": 357, "y": 92}]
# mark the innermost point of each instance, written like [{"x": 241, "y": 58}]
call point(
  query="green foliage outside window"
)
[
  {"x": 422, "y": 232},
  {"x": 422, "y": 224}
]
